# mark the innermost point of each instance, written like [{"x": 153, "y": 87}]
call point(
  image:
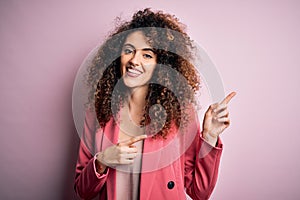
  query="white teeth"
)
[{"x": 134, "y": 71}]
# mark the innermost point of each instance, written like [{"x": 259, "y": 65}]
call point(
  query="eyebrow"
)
[{"x": 144, "y": 49}]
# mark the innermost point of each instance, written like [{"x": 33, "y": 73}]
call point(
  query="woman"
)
[{"x": 141, "y": 136}]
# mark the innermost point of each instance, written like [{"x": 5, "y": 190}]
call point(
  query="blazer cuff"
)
[
  {"x": 98, "y": 175},
  {"x": 206, "y": 149}
]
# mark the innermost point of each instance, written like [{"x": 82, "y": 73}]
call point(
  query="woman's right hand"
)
[{"x": 122, "y": 153}]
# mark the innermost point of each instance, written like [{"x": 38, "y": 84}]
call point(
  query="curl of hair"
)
[{"x": 175, "y": 51}]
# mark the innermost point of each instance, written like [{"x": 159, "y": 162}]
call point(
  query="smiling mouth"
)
[{"x": 132, "y": 72}]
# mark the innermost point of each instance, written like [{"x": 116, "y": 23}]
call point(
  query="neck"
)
[
  {"x": 136, "y": 97},
  {"x": 136, "y": 100}
]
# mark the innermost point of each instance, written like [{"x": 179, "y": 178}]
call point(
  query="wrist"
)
[
  {"x": 100, "y": 166},
  {"x": 209, "y": 138}
]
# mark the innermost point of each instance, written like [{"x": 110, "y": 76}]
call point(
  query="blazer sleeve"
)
[
  {"x": 201, "y": 167},
  {"x": 88, "y": 183}
]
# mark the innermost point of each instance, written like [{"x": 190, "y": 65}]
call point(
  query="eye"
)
[
  {"x": 147, "y": 56},
  {"x": 127, "y": 51}
]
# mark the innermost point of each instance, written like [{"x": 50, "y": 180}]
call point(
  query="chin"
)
[{"x": 134, "y": 84}]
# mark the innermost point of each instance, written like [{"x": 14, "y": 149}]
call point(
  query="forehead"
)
[{"x": 138, "y": 40}]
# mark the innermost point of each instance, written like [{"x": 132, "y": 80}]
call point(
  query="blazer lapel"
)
[
  {"x": 110, "y": 137},
  {"x": 150, "y": 164}
]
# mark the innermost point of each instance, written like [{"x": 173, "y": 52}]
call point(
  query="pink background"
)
[{"x": 254, "y": 44}]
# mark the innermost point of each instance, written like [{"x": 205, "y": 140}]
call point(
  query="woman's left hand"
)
[{"x": 216, "y": 120}]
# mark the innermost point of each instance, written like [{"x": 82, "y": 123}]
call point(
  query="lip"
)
[{"x": 133, "y": 72}]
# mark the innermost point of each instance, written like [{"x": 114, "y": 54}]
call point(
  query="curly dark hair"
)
[{"x": 174, "y": 49}]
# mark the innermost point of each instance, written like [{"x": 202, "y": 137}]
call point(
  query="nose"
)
[{"x": 135, "y": 60}]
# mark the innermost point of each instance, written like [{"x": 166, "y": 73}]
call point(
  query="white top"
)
[{"x": 128, "y": 176}]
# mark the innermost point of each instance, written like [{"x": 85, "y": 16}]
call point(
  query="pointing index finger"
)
[
  {"x": 228, "y": 98},
  {"x": 133, "y": 140}
]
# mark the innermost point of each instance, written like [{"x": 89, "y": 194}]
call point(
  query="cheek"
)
[
  {"x": 152, "y": 67},
  {"x": 123, "y": 65},
  {"x": 151, "y": 70}
]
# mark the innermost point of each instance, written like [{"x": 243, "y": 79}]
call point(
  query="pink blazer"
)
[{"x": 170, "y": 167}]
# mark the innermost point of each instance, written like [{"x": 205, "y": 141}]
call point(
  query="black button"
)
[{"x": 171, "y": 184}]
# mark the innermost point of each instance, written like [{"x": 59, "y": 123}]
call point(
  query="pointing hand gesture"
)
[
  {"x": 216, "y": 120},
  {"x": 120, "y": 154}
]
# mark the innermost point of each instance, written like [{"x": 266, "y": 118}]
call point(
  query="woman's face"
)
[{"x": 138, "y": 60}]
